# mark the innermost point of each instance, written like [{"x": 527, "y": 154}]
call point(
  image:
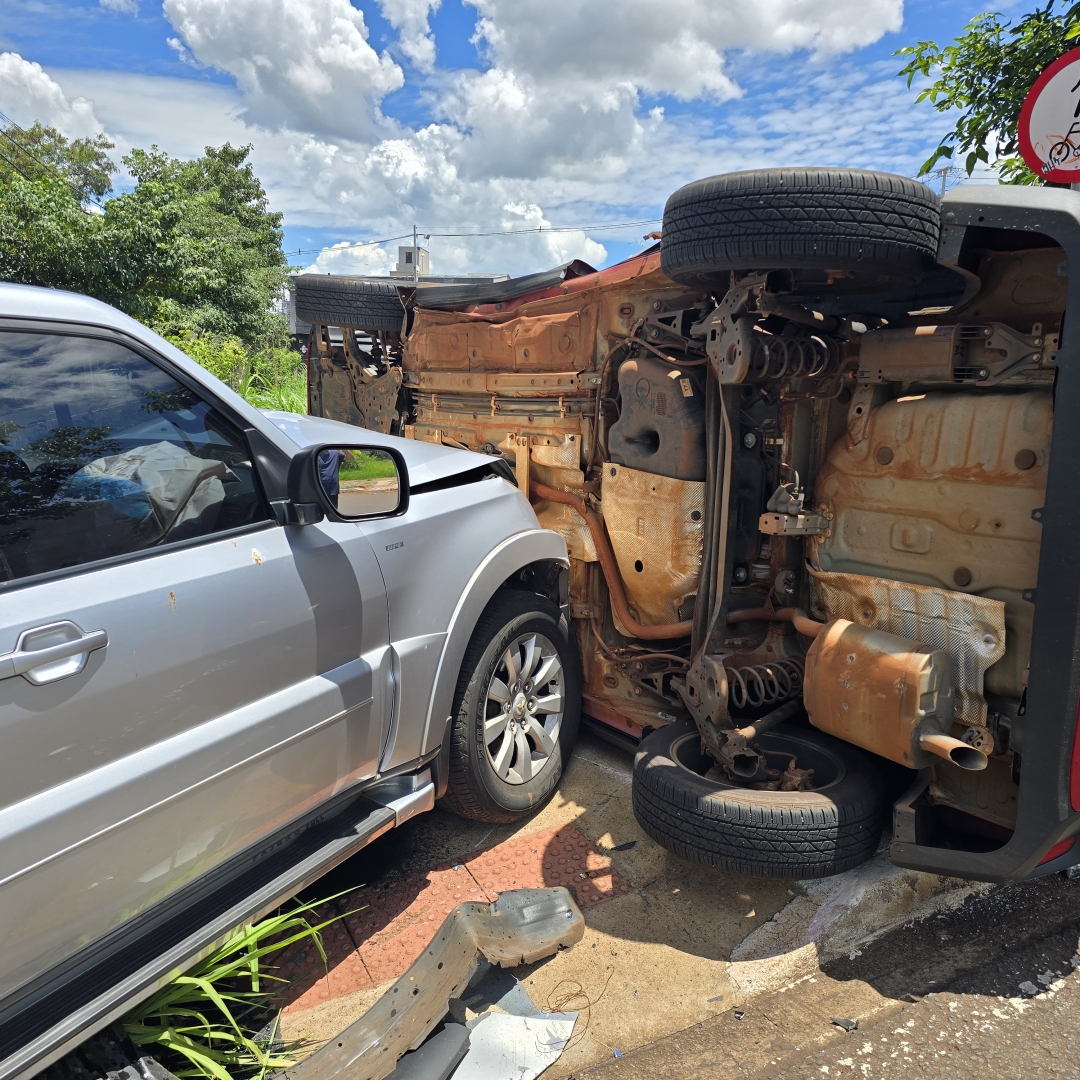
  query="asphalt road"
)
[{"x": 988, "y": 990}]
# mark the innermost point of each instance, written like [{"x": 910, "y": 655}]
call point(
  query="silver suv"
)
[{"x": 235, "y": 647}]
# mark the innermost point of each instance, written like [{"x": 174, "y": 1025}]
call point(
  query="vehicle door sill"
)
[{"x": 41, "y": 1023}]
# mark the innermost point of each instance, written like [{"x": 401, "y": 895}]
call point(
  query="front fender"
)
[{"x": 512, "y": 555}]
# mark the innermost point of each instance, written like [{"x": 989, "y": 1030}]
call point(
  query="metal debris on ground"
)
[
  {"x": 521, "y": 927},
  {"x": 845, "y": 1023},
  {"x": 437, "y": 1058},
  {"x": 521, "y": 1047}
]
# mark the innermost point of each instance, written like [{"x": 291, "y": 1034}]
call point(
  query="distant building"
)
[{"x": 412, "y": 261}]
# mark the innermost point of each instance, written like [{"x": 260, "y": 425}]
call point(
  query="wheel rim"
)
[
  {"x": 523, "y": 709},
  {"x": 777, "y": 746}
]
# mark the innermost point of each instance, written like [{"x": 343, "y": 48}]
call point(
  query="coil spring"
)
[
  {"x": 802, "y": 356},
  {"x": 765, "y": 684}
]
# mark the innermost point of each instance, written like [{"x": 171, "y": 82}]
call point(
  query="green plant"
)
[
  {"x": 361, "y": 466},
  {"x": 984, "y": 77},
  {"x": 205, "y": 1022},
  {"x": 192, "y": 247},
  {"x": 268, "y": 378}
]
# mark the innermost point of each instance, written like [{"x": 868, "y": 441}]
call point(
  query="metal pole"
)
[{"x": 415, "y": 257}]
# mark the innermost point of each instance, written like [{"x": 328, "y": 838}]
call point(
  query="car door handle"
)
[{"x": 45, "y": 647}]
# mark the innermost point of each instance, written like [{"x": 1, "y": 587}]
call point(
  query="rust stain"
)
[
  {"x": 877, "y": 690},
  {"x": 655, "y": 524}
]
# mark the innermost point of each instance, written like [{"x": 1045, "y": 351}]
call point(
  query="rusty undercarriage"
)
[{"x": 807, "y": 483}]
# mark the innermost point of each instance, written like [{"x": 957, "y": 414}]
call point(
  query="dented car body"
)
[{"x": 815, "y": 473}]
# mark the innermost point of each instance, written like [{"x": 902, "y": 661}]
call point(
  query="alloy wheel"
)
[{"x": 523, "y": 709}]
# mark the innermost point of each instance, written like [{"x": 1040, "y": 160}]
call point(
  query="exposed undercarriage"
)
[{"x": 782, "y": 487}]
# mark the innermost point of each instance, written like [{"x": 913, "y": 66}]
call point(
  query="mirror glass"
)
[{"x": 360, "y": 482}]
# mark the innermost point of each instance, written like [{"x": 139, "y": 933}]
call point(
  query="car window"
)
[{"x": 103, "y": 453}]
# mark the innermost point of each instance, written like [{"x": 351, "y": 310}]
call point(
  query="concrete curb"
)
[{"x": 835, "y": 916}]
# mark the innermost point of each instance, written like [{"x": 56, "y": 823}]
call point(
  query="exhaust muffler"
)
[{"x": 888, "y": 694}]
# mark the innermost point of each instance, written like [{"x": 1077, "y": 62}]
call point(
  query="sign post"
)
[{"x": 1049, "y": 129}]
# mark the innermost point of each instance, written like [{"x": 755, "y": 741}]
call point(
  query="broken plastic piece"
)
[{"x": 521, "y": 927}]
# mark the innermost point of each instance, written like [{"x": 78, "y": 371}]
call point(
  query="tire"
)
[
  {"x": 777, "y": 834},
  {"x": 475, "y": 788},
  {"x": 342, "y": 301},
  {"x": 876, "y": 225}
]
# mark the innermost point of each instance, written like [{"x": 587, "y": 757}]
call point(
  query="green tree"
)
[
  {"x": 38, "y": 152},
  {"x": 985, "y": 75},
  {"x": 191, "y": 250}
]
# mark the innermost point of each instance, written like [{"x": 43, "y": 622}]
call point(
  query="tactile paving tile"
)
[
  {"x": 557, "y": 857},
  {"x": 401, "y": 913},
  {"x": 402, "y": 916},
  {"x": 308, "y": 980}
]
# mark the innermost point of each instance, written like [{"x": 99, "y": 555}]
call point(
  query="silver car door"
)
[{"x": 179, "y": 676}]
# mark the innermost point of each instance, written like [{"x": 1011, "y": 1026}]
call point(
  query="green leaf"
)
[
  {"x": 205, "y": 1020},
  {"x": 982, "y": 77}
]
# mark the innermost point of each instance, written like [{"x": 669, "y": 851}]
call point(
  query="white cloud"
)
[
  {"x": 182, "y": 52},
  {"x": 346, "y": 258},
  {"x": 561, "y": 124},
  {"x": 410, "y": 19},
  {"x": 674, "y": 49},
  {"x": 122, "y": 7},
  {"x": 301, "y": 64},
  {"x": 30, "y": 94}
]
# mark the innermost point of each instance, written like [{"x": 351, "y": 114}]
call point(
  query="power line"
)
[
  {"x": 7, "y": 125},
  {"x": 429, "y": 233}
]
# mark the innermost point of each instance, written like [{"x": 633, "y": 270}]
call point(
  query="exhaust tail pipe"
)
[{"x": 959, "y": 753}]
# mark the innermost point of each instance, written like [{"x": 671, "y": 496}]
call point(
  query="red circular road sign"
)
[{"x": 1049, "y": 130}]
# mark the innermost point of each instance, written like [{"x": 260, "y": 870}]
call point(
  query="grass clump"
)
[
  {"x": 218, "y": 1020},
  {"x": 362, "y": 466},
  {"x": 272, "y": 377}
]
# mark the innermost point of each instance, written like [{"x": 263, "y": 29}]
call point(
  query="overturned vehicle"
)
[{"x": 821, "y": 519}]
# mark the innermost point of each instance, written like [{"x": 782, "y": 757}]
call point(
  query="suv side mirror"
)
[{"x": 347, "y": 483}]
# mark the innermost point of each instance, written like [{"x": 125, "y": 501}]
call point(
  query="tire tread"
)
[
  {"x": 751, "y": 832},
  {"x": 463, "y": 794},
  {"x": 830, "y": 218}
]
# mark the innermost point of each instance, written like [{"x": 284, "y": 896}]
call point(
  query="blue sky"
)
[{"x": 570, "y": 114}]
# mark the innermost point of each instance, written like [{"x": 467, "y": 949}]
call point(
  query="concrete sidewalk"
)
[
  {"x": 989, "y": 990},
  {"x": 668, "y": 945}
]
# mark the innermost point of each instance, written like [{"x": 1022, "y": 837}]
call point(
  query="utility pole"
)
[{"x": 415, "y": 257}]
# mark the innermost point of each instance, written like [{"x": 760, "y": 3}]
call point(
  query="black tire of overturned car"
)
[
  {"x": 869, "y": 224},
  {"x": 777, "y": 834},
  {"x": 343, "y": 301}
]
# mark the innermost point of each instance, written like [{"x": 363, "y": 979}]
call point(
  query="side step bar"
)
[{"x": 44, "y": 1020}]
